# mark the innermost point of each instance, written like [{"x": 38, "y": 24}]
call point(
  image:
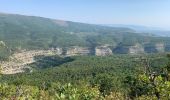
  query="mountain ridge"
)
[{"x": 157, "y": 31}]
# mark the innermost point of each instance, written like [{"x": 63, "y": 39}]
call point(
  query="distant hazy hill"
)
[
  {"x": 144, "y": 29},
  {"x": 30, "y": 32}
]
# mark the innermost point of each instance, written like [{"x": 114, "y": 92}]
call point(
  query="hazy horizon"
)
[{"x": 152, "y": 13}]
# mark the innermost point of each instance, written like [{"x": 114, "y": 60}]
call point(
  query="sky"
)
[{"x": 155, "y": 13}]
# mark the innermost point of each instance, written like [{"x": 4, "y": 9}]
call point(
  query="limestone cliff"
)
[
  {"x": 75, "y": 50},
  {"x": 2, "y": 43},
  {"x": 136, "y": 49},
  {"x": 160, "y": 47},
  {"x": 20, "y": 60},
  {"x": 103, "y": 51}
]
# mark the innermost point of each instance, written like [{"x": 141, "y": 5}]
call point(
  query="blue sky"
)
[{"x": 155, "y": 13}]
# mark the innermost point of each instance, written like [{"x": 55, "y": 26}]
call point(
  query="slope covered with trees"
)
[
  {"x": 20, "y": 32},
  {"x": 116, "y": 77}
]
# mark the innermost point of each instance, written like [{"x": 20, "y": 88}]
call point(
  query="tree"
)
[
  {"x": 104, "y": 82},
  {"x": 151, "y": 84}
]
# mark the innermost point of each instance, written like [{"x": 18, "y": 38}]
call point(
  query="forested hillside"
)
[
  {"x": 20, "y": 32},
  {"x": 36, "y": 32},
  {"x": 90, "y": 77}
]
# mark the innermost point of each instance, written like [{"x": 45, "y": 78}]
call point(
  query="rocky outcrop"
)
[
  {"x": 103, "y": 51},
  {"x": 2, "y": 43},
  {"x": 160, "y": 47},
  {"x": 136, "y": 49},
  {"x": 58, "y": 51},
  {"x": 19, "y": 61},
  {"x": 72, "y": 51}
]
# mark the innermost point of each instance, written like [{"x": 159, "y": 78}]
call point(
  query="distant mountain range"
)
[{"x": 144, "y": 29}]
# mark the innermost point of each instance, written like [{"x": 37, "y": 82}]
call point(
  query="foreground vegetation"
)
[{"x": 117, "y": 77}]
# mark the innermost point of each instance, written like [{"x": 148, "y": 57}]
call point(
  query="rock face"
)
[
  {"x": 160, "y": 47},
  {"x": 2, "y": 44},
  {"x": 72, "y": 51},
  {"x": 103, "y": 51},
  {"x": 18, "y": 62},
  {"x": 58, "y": 51},
  {"x": 136, "y": 49}
]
